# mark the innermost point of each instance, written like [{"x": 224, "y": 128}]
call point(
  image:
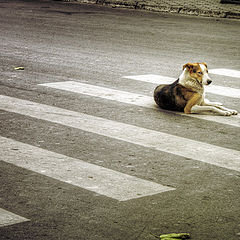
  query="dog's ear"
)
[
  {"x": 188, "y": 66},
  {"x": 204, "y": 64}
]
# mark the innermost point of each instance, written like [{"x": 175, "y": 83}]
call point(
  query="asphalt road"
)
[{"x": 148, "y": 170}]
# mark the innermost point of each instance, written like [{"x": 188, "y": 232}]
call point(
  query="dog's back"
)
[{"x": 172, "y": 96}]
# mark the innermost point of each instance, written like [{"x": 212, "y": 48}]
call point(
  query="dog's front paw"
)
[
  {"x": 230, "y": 112},
  {"x": 234, "y": 112},
  {"x": 227, "y": 113},
  {"x": 224, "y": 113}
]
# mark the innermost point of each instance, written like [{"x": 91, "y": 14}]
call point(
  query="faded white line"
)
[
  {"x": 94, "y": 178},
  {"x": 214, "y": 89},
  {"x": 223, "y": 91},
  {"x": 225, "y": 72},
  {"x": 200, "y": 151},
  {"x": 152, "y": 78},
  {"x": 102, "y": 92},
  {"x": 131, "y": 98},
  {"x": 8, "y": 218}
]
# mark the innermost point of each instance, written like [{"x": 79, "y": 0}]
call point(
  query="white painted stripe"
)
[
  {"x": 225, "y": 72},
  {"x": 131, "y": 98},
  {"x": 8, "y": 218},
  {"x": 152, "y": 78},
  {"x": 223, "y": 91},
  {"x": 219, "y": 156},
  {"x": 214, "y": 89},
  {"x": 106, "y": 93},
  {"x": 94, "y": 178}
]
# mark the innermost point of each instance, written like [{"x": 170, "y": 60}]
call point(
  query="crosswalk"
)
[
  {"x": 215, "y": 89},
  {"x": 130, "y": 98},
  {"x": 104, "y": 181},
  {"x": 101, "y": 180},
  {"x": 218, "y": 156}
]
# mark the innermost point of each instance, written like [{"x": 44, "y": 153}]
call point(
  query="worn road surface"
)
[{"x": 85, "y": 153}]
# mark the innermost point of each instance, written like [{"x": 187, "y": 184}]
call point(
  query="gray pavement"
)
[
  {"x": 207, "y": 8},
  {"x": 85, "y": 154}
]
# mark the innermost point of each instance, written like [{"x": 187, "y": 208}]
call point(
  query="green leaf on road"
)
[{"x": 173, "y": 236}]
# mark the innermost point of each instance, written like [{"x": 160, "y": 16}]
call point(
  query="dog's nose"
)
[{"x": 209, "y": 81}]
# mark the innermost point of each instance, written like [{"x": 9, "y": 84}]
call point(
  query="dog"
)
[{"x": 187, "y": 95}]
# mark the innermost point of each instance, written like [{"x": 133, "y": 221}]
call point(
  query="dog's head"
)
[{"x": 199, "y": 72}]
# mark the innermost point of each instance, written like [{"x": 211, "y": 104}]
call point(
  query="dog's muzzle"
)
[{"x": 209, "y": 81}]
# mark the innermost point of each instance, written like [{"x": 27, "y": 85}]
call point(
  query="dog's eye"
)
[
  {"x": 194, "y": 71},
  {"x": 200, "y": 73}
]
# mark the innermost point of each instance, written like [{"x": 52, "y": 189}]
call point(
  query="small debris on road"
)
[
  {"x": 173, "y": 236},
  {"x": 19, "y": 68}
]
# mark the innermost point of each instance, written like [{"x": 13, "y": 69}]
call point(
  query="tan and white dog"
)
[{"x": 187, "y": 95}]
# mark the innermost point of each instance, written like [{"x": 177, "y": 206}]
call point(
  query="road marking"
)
[
  {"x": 94, "y": 178},
  {"x": 223, "y": 91},
  {"x": 225, "y": 72},
  {"x": 106, "y": 93},
  {"x": 200, "y": 151},
  {"x": 152, "y": 78},
  {"x": 8, "y": 218},
  {"x": 132, "y": 98},
  {"x": 215, "y": 89}
]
